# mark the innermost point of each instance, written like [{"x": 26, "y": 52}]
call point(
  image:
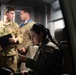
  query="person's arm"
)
[
  {"x": 18, "y": 34},
  {"x": 48, "y": 58},
  {"x": 43, "y": 62},
  {"x": 30, "y": 63}
]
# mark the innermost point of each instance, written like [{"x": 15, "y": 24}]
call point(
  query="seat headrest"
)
[{"x": 59, "y": 34}]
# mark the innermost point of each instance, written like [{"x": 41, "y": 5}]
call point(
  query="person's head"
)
[
  {"x": 10, "y": 13},
  {"x": 38, "y": 33},
  {"x": 25, "y": 14}
]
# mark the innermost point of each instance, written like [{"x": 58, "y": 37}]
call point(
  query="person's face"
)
[
  {"x": 10, "y": 15},
  {"x": 36, "y": 39},
  {"x": 23, "y": 15}
]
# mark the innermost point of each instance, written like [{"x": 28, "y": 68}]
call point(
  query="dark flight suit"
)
[{"x": 47, "y": 60}]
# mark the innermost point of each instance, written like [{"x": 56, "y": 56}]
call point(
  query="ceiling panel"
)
[{"x": 26, "y": 2}]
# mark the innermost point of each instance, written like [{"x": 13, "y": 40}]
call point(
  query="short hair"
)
[
  {"x": 8, "y": 9},
  {"x": 26, "y": 10}
]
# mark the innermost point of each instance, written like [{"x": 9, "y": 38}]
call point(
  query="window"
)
[{"x": 59, "y": 24}]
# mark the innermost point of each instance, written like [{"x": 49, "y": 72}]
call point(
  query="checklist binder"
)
[{"x": 4, "y": 40}]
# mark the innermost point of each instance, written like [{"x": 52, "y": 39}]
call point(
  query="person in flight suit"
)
[
  {"x": 25, "y": 27},
  {"x": 47, "y": 58},
  {"x": 9, "y": 54}
]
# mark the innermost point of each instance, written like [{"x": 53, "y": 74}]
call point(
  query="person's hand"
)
[
  {"x": 22, "y": 49},
  {"x": 13, "y": 40},
  {"x": 24, "y": 72}
]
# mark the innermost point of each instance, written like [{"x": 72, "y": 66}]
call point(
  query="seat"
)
[{"x": 62, "y": 40}]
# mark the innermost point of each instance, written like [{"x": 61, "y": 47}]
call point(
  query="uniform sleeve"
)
[
  {"x": 36, "y": 64},
  {"x": 18, "y": 34},
  {"x": 45, "y": 61},
  {"x": 39, "y": 65}
]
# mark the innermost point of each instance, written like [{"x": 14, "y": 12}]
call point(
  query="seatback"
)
[{"x": 66, "y": 67}]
